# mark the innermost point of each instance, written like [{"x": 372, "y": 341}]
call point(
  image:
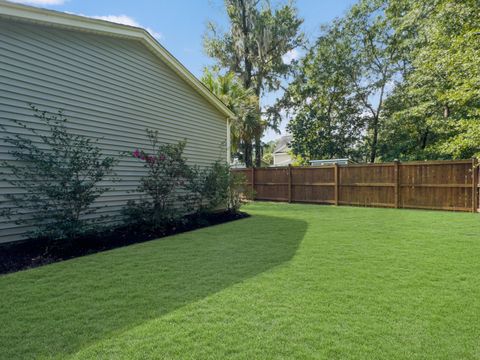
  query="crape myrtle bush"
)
[
  {"x": 161, "y": 187},
  {"x": 172, "y": 189},
  {"x": 58, "y": 173}
]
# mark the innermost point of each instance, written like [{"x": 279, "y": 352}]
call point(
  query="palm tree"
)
[{"x": 243, "y": 103}]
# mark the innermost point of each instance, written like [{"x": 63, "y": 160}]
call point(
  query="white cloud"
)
[
  {"x": 39, "y": 2},
  {"x": 127, "y": 20},
  {"x": 290, "y": 56},
  {"x": 119, "y": 19}
]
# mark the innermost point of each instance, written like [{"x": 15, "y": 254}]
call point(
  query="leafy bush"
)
[
  {"x": 161, "y": 187},
  {"x": 58, "y": 173},
  {"x": 172, "y": 189},
  {"x": 215, "y": 186},
  {"x": 207, "y": 188},
  {"x": 237, "y": 192}
]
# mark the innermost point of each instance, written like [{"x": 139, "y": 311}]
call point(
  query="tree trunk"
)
[
  {"x": 373, "y": 148},
  {"x": 446, "y": 111},
  {"x": 247, "y": 154},
  {"x": 247, "y": 76},
  {"x": 258, "y": 151},
  {"x": 424, "y": 140},
  {"x": 259, "y": 130},
  {"x": 376, "y": 119}
]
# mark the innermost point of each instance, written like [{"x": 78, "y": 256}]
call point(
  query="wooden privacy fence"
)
[{"x": 438, "y": 185}]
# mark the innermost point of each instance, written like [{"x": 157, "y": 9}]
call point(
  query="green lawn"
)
[{"x": 292, "y": 281}]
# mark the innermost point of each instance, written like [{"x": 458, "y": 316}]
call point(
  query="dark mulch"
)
[{"x": 37, "y": 252}]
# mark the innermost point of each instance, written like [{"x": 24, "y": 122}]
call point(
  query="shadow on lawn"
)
[{"x": 59, "y": 309}]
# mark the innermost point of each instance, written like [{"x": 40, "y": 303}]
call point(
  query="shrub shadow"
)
[{"x": 58, "y": 309}]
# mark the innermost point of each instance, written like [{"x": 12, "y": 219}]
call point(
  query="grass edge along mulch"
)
[{"x": 32, "y": 253}]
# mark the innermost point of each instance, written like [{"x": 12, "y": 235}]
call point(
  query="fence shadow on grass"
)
[{"x": 59, "y": 309}]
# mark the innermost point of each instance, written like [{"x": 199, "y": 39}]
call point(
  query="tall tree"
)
[
  {"x": 405, "y": 134},
  {"x": 377, "y": 61},
  {"x": 327, "y": 119},
  {"x": 243, "y": 103},
  {"x": 442, "y": 81},
  {"x": 253, "y": 48},
  {"x": 342, "y": 83}
]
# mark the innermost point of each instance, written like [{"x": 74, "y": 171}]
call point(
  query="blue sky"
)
[{"x": 180, "y": 24}]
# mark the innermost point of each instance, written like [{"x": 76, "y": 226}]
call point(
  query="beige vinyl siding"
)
[
  {"x": 109, "y": 87},
  {"x": 281, "y": 158}
]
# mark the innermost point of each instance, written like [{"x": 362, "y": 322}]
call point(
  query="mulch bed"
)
[{"x": 37, "y": 252}]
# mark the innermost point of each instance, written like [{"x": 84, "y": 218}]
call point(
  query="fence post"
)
[
  {"x": 397, "y": 183},
  {"x": 474, "y": 184},
  {"x": 336, "y": 177},
  {"x": 289, "y": 183},
  {"x": 253, "y": 183}
]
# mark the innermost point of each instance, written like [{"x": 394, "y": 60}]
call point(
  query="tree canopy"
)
[
  {"x": 392, "y": 79},
  {"x": 438, "y": 100},
  {"x": 243, "y": 103},
  {"x": 327, "y": 121},
  {"x": 258, "y": 37}
]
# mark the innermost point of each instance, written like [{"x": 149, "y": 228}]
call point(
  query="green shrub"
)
[
  {"x": 58, "y": 173},
  {"x": 215, "y": 186},
  {"x": 207, "y": 187},
  {"x": 161, "y": 187},
  {"x": 172, "y": 189},
  {"x": 237, "y": 192}
]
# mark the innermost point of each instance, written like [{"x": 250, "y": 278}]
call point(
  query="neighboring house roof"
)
[
  {"x": 283, "y": 144},
  {"x": 81, "y": 23}
]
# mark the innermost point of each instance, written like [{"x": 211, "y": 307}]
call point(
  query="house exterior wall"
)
[
  {"x": 281, "y": 159},
  {"x": 108, "y": 87}
]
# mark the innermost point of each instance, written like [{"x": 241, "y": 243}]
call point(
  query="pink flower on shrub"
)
[
  {"x": 150, "y": 159},
  {"x": 136, "y": 153}
]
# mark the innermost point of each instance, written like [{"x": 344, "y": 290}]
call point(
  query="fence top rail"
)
[
  {"x": 368, "y": 164},
  {"x": 272, "y": 167},
  {"x": 417, "y": 162},
  {"x": 307, "y": 167},
  {"x": 437, "y": 162}
]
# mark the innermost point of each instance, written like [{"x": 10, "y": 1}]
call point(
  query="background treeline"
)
[{"x": 391, "y": 79}]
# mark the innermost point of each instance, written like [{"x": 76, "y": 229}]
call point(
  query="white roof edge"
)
[
  {"x": 82, "y": 23},
  {"x": 339, "y": 159}
]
